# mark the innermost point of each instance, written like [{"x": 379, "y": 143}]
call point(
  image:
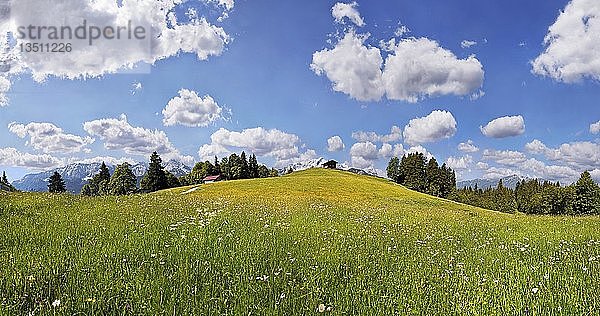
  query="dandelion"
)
[{"x": 56, "y": 303}]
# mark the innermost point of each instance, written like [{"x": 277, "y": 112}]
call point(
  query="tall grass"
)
[{"x": 315, "y": 241}]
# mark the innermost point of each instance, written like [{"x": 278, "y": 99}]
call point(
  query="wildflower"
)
[
  {"x": 321, "y": 308},
  {"x": 534, "y": 290},
  {"x": 56, "y": 303}
]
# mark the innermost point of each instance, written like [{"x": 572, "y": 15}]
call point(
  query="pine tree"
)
[
  {"x": 155, "y": 178},
  {"x": 56, "y": 184},
  {"x": 217, "y": 166},
  {"x": 587, "y": 196},
  {"x": 245, "y": 170},
  {"x": 433, "y": 176},
  {"x": 123, "y": 181},
  {"x": 393, "y": 169},
  {"x": 253, "y": 167},
  {"x": 4, "y": 178},
  {"x": 412, "y": 170}
]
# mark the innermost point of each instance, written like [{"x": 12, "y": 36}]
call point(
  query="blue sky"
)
[{"x": 262, "y": 78}]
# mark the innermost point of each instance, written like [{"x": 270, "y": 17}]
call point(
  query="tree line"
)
[
  {"x": 537, "y": 197},
  {"x": 234, "y": 167},
  {"x": 416, "y": 172},
  {"x": 123, "y": 181}
]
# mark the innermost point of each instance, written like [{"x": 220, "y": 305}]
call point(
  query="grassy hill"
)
[{"x": 310, "y": 241}]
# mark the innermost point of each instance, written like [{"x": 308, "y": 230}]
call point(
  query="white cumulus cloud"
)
[
  {"x": 419, "y": 68},
  {"x": 335, "y": 143},
  {"x": 507, "y": 126},
  {"x": 14, "y": 158},
  {"x": 415, "y": 69},
  {"x": 282, "y": 146},
  {"x": 50, "y": 138},
  {"x": 118, "y": 134},
  {"x": 352, "y": 67},
  {"x": 572, "y": 44},
  {"x": 189, "y": 109},
  {"x": 431, "y": 128},
  {"x": 163, "y": 36}
]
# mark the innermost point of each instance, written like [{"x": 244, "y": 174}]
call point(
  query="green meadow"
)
[{"x": 313, "y": 242}]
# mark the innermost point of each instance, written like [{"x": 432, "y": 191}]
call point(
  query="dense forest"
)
[{"x": 415, "y": 172}]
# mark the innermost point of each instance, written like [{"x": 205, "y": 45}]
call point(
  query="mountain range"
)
[
  {"x": 509, "y": 182},
  {"x": 78, "y": 174}
]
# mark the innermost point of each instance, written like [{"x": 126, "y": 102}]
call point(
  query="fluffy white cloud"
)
[
  {"x": 506, "y": 126},
  {"x": 365, "y": 154},
  {"x": 118, "y": 134},
  {"x": 335, "y": 143},
  {"x": 419, "y": 68},
  {"x": 347, "y": 10},
  {"x": 163, "y": 36},
  {"x": 352, "y": 67},
  {"x": 460, "y": 163},
  {"x": 189, "y": 109},
  {"x": 366, "y": 150},
  {"x": 274, "y": 143},
  {"x": 468, "y": 147},
  {"x": 433, "y": 127},
  {"x": 581, "y": 155},
  {"x": 467, "y": 43},
  {"x": 50, "y": 138},
  {"x": 394, "y": 136},
  {"x": 504, "y": 157},
  {"x": 414, "y": 69},
  {"x": 572, "y": 44},
  {"x": 13, "y": 158},
  {"x": 595, "y": 128}
]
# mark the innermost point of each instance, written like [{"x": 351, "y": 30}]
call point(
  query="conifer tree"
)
[
  {"x": 433, "y": 176},
  {"x": 244, "y": 168},
  {"x": 253, "y": 167},
  {"x": 155, "y": 178},
  {"x": 393, "y": 169},
  {"x": 4, "y": 178},
  {"x": 56, "y": 184}
]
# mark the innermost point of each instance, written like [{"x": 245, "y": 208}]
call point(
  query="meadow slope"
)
[{"x": 310, "y": 242}]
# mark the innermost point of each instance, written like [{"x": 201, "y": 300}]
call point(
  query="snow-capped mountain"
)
[
  {"x": 509, "y": 182},
  {"x": 177, "y": 168},
  {"x": 303, "y": 165},
  {"x": 77, "y": 175}
]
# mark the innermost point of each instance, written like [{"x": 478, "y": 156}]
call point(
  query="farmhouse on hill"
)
[
  {"x": 331, "y": 164},
  {"x": 212, "y": 179}
]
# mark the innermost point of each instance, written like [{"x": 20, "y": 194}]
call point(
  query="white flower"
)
[
  {"x": 321, "y": 308},
  {"x": 56, "y": 303},
  {"x": 534, "y": 290}
]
